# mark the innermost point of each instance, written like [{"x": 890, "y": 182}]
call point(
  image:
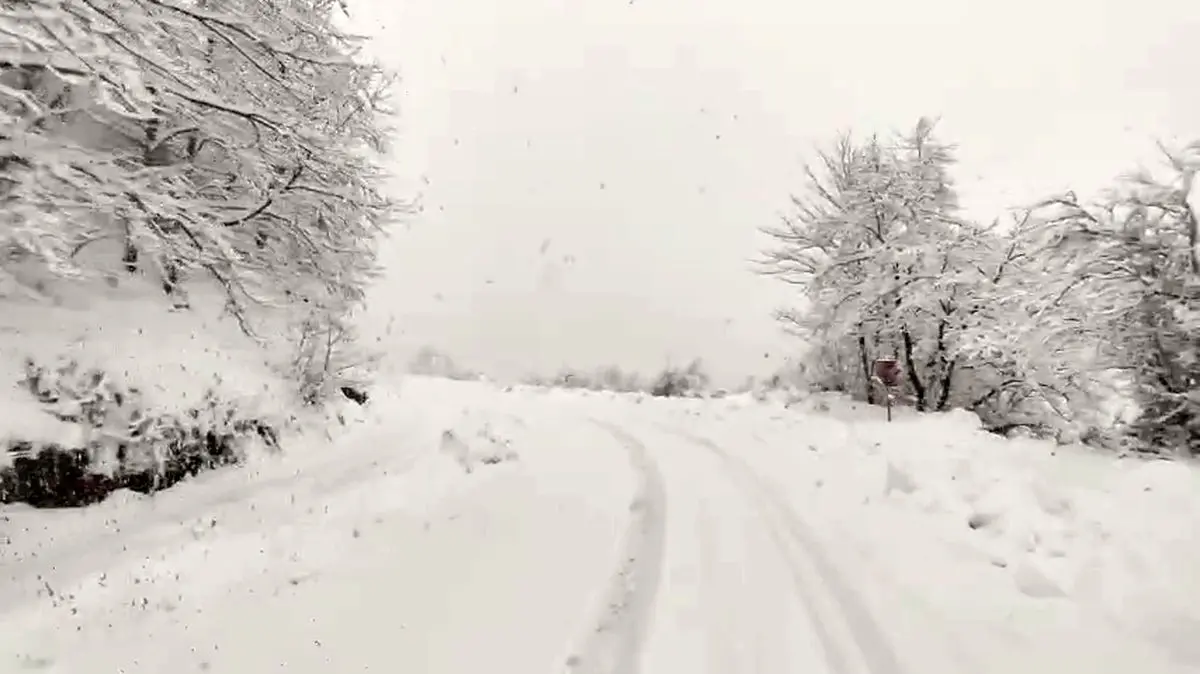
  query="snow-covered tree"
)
[
  {"x": 689, "y": 380},
  {"x": 329, "y": 355},
  {"x": 231, "y": 140},
  {"x": 1136, "y": 252},
  {"x": 232, "y": 143},
  {"x": 873, "y": 246},
  {"x": 999, "y": 319},
  {"x": 1029, "y": 345}
]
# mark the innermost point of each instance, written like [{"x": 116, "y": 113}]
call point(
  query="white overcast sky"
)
[{"x": 593, "y": 172}]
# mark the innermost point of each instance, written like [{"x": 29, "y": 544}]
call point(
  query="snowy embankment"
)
[
  {"x": 108, "y": 379},
  {"x": 457, "y": 528}
]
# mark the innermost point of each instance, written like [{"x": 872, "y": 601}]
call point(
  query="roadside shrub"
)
[
  {"x": 690, "y": 381},
  {"x": 121, "y": 442}
]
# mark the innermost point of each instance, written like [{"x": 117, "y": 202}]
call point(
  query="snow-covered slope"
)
[
  {"x": 127, "y": 332},
  {"x": 461, "y": 528}
]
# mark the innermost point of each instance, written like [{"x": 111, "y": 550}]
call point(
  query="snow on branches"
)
[
  {"x": 232, "y": 140},
  {"x": 985, "y": 317},
  {"x": 872, "y": 246},
  {"x": 234, "y": 145},
  {"x": 1136, "y": 253}
]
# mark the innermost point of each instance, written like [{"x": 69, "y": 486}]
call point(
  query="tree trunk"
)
[
  {"x": 947, "y": 382},
  {"x": 130, "y": 255},
  {"x": 943, "y": 364},
  {"x": 910, "y": 364},
  {"x": 866, "y": 368},
  {"x": 170, "y": 277}
]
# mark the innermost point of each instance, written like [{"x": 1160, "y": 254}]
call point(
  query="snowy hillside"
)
[{"x": 455, "y": 527}]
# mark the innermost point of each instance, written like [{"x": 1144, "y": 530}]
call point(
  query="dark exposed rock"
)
[{"x": 357, "y": 395}]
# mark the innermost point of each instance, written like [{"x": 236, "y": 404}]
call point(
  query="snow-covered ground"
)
[{"x": 458, "y": 528}]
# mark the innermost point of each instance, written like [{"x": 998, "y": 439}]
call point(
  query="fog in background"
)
[{"x": 592, "y": 174}]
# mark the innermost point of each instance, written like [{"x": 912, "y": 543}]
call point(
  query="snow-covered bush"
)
[
  {"x": 690, "y": 380},
  {"x": 674, "y": 382},
  {"x": 331, "y": 358},
  {"x": 115, "y": 391},
  {"x": 614, "y": 378},
  {"x": 607, "y": 378},
  {"x": 120, "y": 440}
]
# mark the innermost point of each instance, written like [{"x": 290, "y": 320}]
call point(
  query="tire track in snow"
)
[
  {"x": 869, "y": 641},
  {"x": 615, "y": 645}
]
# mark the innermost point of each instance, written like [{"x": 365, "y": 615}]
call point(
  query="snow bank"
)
[
  {"x": 1118, "y": 535},
  {"x": 964, "y": 514},
  {"x": 173, "y": 357}
]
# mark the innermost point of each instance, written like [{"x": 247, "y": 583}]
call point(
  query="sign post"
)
[{"x": 887, "y": 374}]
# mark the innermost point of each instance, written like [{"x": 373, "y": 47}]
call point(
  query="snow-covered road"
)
[{"x": 462, "y": 529}]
